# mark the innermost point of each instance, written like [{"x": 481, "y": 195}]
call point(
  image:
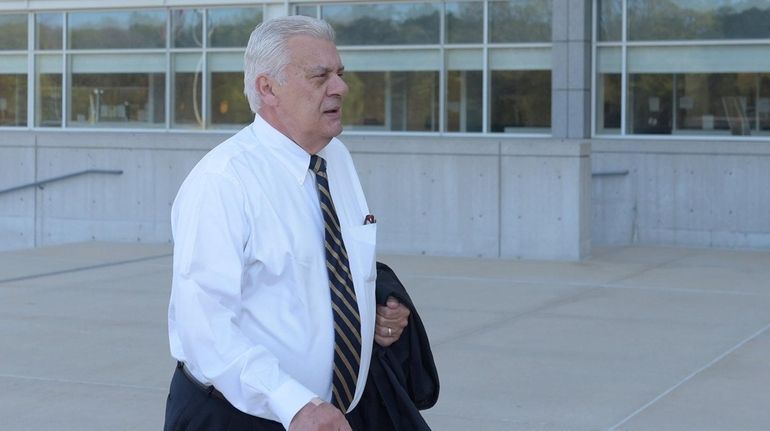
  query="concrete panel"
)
[
  {"x": 579, "y": 65},
  {"x": 134, "y": 206},
  {"x": 560, "y": 20},
  {"x": 687, "y": 193},
  {"x": 541, "y": 207},
  {"x": 584, "y": 209},
  {"x": 17, "y": 232},
  {"x": 580, "y": 18},
  {"x": 17, "y": 208},
  {"x": 560, "y": 66},
  {"x": 560, "y": 114},
  {"x": 614, "y": 216},
  {"x": 578, "y": 110},
  {"x": 424, "y": 145},
  {"x": 437, "y": 204},
  {"x": 708, "y": 198},
  {"x": 17, "y": 167},
  {"x": 156, "y": 140}
]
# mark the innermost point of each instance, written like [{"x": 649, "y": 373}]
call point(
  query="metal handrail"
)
[
  {"x": 62, "y": 177},
  {"x": 610, "y": 173}
]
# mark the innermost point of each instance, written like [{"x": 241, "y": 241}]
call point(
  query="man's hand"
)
[
  {"x": 319, "y": 416},
  {"x": 392, "y": 318}
]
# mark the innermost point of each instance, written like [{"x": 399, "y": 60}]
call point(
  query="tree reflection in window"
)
[{"x": 384, "y": 24}]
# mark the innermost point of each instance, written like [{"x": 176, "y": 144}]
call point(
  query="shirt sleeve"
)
[{"x": 210, "y": 225}]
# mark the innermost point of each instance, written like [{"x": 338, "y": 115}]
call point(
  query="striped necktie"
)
[{"x": 347, "y": 323}]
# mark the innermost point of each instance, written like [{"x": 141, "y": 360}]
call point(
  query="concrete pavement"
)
[{"x": 635, "y": 338}]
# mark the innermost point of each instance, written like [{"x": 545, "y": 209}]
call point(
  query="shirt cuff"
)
[{"x": 288, "y": 399}]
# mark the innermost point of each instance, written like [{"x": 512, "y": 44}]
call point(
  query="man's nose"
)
[{"x": 338, "y": 87}]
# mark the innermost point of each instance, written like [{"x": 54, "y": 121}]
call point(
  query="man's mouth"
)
[{"x": 332, "y": 111}]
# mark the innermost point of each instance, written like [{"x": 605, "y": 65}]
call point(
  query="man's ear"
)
[{"x": 265, "y": 86}]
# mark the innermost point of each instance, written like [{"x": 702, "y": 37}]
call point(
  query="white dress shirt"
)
[{"x": 250, "y": 309}]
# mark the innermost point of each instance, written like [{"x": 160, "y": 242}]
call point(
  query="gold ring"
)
[{"x": 390, "y": 332}]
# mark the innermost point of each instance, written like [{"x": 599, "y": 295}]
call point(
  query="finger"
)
[
  {"x": 388, "y": 331},
  {"x": 385, "y": 321},
  {"x": 398, "y": 324},
  {"x": 384, "y": 342},
  {"x": 393, "y": 313}
]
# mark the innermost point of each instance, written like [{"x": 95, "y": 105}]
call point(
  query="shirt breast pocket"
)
[{"x": 361, "y": 242}]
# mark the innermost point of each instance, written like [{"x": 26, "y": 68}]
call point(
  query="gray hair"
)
[{"x": 267, "y": 52}]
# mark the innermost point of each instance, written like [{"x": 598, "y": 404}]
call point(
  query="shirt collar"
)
[{"x": 293, "y": 157}]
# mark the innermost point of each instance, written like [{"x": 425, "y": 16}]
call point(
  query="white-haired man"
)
[{"x": 272, "y": 314}]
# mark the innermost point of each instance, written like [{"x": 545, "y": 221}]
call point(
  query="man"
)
[{"x": 272, "y": 314}]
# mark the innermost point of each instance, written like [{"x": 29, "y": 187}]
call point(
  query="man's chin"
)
[{"x": 334, "y": 130}]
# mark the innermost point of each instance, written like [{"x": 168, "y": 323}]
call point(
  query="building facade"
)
[{"x": 515, "y": 128}]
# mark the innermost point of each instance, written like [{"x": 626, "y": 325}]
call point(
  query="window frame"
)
[
  {"x": 625, "y": 45},
  {"x": 269, "y": 8}
]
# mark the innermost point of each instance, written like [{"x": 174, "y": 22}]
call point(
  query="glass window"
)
[
  {"x": 464, "y": 22},
  {"x": 111, "y": 30},
  {"x": 305, "y": 10},
  {"x": 391, "y": 100},
  {"x": 650, "y": 97},
  {"x": 48, "y": 100},
  {"x": 698, "y": 87},
  {"x": 519, "y": 21},
  {"x": 465, "y": 90},
  {"x": 718, "y": 101},
  {"x": 366, "y": 104},
  {"x": 520, "y": 90},
  {"x": 698, "y": 103},
  {"x": 13, "y": 90},
  {"x": 231, "y": 27},
  {"x": 698, "y": 19},
  {"x": 608, "y": 100},
  {"x": 414, "y": 101},
  {"x": 13, "y": 27},
  {"x": 228, "y": 106},
  {"x": 188, "y": 90},
  {"x": 48, "y": 30},
  {"x": 13, "y": 99},
  {"x": 520, "y": 101},
  {"x": 384, "y": 24},
  {"x": 610, "y": 20},
  {"x": 464, "y": 101},
  {"x": 763, "y": 102},
  {"x": 117, "y": 90},
  {"x": 695, "y": 89},
  {"x": 392, "y": 89},
  {"x": 608, "y": 120},
  {"x": 186, "y": 28}
]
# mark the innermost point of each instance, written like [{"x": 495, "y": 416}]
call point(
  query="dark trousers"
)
[{"x": 192, "y": 407}]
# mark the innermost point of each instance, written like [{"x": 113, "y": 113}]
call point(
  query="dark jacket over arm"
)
[{"x": 402, "y": 377}]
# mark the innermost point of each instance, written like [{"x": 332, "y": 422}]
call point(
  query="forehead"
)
[{"x": 307, "y": 52}]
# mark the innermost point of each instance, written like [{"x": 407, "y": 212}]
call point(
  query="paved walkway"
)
[{"x": 635, "y": 338}]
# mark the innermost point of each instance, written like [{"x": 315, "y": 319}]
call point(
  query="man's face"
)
[{"x": 310, "y": 101}]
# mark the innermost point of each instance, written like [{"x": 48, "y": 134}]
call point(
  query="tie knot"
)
[{"x": 317, "y": 164}]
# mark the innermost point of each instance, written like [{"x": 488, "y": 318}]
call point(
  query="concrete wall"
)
[
  {"x": 482, "y": 197},
  {"x": 17, "y": 209},
  {"x": 527, "y": 198},
  {"x": 696, "y": 193},
  {"x": 432, "y": 195},
  {"x": 133, "y": 206}
]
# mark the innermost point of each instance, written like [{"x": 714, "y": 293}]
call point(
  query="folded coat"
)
[{"x": 402, "y": 377}]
